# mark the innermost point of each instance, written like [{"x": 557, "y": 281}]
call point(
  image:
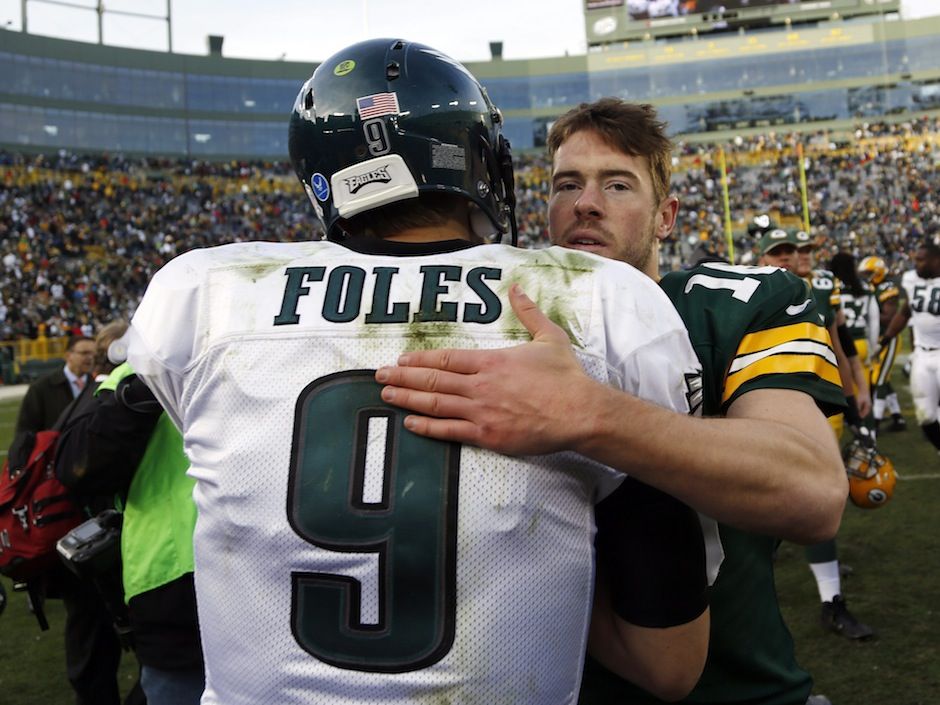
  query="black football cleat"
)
[{"x": 835, "y": 617}]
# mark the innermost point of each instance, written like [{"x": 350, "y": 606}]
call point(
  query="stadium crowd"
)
[{"x": 80, "y": 236}]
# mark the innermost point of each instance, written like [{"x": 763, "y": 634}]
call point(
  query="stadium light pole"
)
[{"x": 100, "y": 10}]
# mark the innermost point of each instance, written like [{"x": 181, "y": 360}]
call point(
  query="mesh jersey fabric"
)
[{"x": 320, "y": 519}]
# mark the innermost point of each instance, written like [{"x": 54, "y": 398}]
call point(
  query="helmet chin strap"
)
[
  {"x": 509, "y": 186},
  {"x": 481, "y": 226}
]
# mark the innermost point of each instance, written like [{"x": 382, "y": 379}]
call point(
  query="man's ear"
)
[{"x": 666, "y": 215}]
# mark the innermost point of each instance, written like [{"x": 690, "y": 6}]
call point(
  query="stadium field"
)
[{"x": 894, "y": 553}]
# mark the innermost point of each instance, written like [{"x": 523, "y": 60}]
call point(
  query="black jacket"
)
[{"x": 45, "y": 401}]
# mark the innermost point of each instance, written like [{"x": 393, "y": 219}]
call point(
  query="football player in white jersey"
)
[
  {"x": 340, "y": 559},
  {"x": 922, "y": 311}
]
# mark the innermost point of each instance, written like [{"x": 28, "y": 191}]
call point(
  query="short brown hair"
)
[
  {"x": 632, "y": 128},
  {"x": 75, "y": 340},
  {"x": 429, "y": 210}
]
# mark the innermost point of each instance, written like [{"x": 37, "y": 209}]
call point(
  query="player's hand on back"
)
[{"x": 522, "y": 400}]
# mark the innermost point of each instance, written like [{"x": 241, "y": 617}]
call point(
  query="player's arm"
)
[
  {"x": 851, "y": 372},
  {"x": 888, "y": 307},
  {"x": 161, "y": 338},
  {"x": 650, "y": 618},
  {"x": 898, "y": 323},
  {"x": 778, "y": 472}
]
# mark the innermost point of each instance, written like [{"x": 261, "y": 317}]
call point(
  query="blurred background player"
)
[
  {"x": 922, "y": 310},
  {"x": 823, "y": 557},
  {"x": 887, "y": 292},
  {"x": 860, "y": 308},
  {"x": 332, "y": 563}
]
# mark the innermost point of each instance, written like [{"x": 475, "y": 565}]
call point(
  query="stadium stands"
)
[{"x": 81, "y": 236}]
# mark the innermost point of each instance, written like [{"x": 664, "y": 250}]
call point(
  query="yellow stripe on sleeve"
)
[
  {"x": 765, "y": 339},
  {"x": 786, "y": 361},
  {"x": 888, "y": 294},
  {"x": 782, "y": 364}
]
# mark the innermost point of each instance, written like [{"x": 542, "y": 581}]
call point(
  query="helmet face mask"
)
[
  {"x": 871, "y": 476},
  {"x": 386, "y": 120}
]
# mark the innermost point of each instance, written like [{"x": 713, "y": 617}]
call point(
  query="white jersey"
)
[
  {"x": 923, "y": 296},
  {"x": 341, "y": 560}
]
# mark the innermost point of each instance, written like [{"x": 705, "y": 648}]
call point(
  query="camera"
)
[{"x": 93, "y": 548}]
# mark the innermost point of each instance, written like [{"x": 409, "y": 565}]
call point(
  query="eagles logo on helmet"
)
[{"x": 871, "y": 475}]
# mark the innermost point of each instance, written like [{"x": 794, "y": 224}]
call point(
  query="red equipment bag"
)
[{"x": 36, "y": 510}]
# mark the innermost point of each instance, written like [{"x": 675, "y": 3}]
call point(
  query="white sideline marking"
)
[{"x": 929, "y": 476}]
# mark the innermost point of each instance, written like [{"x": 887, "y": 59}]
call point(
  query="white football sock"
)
[{"x": 827, "y": 579}]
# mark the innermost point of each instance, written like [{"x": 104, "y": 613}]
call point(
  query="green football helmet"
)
[{"x": 385, "y": 120}]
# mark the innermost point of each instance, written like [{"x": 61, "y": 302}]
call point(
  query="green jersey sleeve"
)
[
  {"x": 755, "y": 328},
  {"x": 887, "y": 290}
]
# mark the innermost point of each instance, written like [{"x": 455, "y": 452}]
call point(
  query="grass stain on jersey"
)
[
  {"x": 551, "y": 281},
  {"x": 431, "y": 335},
  {"x": 556, "y": 308},
  {"x": 259, "y": 270}
]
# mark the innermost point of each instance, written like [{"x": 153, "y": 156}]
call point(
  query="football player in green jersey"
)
[
  {"x": 823, "y": 557},
  {"x": 874, "y": 271},
  {"x": 768, "y": 372}
]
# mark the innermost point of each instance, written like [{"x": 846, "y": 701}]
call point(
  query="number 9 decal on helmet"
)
[
  {"x": 871, "y": 476},
  {"x": 387, "y": 120}
]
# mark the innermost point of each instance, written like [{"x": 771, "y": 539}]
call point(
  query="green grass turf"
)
[{"x": 894, "y": 552}]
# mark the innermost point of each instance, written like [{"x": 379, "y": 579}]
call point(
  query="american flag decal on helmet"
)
[{"x": 377, "y": 104}]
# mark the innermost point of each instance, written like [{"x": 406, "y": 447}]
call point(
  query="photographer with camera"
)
[{"x": 128, "y": 446}]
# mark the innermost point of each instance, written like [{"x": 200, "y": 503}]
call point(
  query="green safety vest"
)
[{"x": 159, "y": 514}]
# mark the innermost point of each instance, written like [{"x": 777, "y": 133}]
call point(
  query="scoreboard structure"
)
[
  {"x": 817, "y": 74},
  {"x": 608, "y": 21}
]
